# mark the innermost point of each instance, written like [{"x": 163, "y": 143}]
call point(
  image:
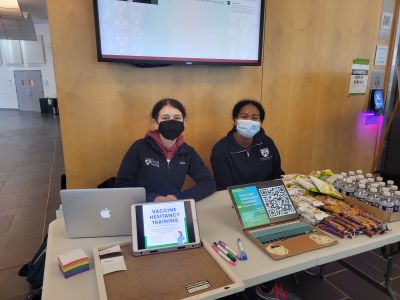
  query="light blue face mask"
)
[{"x": 247, "y": 128}]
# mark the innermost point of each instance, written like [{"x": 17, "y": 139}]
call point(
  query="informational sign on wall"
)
[
  {"x": 359, "y": 77},
  {"x": 381, "y": 55}
]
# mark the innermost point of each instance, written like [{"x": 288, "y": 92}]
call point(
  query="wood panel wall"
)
[{"x": 303, "y": 82}]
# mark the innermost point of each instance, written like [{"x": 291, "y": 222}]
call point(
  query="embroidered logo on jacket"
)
[
  {"x": 264, "y": 152},
  {"x": 152, "y": 162},
  {"x": 182, "y": 163}
]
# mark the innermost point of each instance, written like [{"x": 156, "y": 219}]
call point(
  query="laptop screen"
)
[{"x": 262, "y": 203}]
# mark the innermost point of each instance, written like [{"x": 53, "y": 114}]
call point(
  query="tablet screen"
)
[{"x": 166, "y": 224}]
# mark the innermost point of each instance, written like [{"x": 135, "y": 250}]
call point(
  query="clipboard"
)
[{"x": 197, "y": 273}]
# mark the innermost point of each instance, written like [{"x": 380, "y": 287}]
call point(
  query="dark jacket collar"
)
[{"x": 235, "y": 147}]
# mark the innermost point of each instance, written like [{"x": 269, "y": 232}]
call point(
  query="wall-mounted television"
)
[{"x": 180, "y": 31}]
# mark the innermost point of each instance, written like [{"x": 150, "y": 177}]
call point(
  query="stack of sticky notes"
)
[{"x": 73, "y": 262}]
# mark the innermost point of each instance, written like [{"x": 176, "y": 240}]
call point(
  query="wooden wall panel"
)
[
  {"x": 104, "y": 107},
  {"x": 309, "y": 46}
]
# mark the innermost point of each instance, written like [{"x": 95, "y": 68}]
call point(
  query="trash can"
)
[{"x": 48, "y": 106}]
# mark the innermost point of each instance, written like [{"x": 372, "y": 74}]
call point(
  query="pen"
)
[
  {"x": 223, "y": 244},
  {"x": 243, "y": 254},
  {"x": 223, "y": 256},
  {"x": 230, "y": 255}
]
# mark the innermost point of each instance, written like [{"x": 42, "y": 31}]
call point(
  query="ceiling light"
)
[{"x": 10, "y": 9}]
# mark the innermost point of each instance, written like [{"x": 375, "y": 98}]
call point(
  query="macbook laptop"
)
[
  {"x": 99, "y": 212},
  {"x": 269, "y": 218}
]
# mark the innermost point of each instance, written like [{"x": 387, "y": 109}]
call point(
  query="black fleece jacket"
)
[
  {"x": 144, "y": 165},
  {"x": 233, "y": 165}
]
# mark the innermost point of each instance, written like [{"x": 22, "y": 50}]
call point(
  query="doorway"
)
[{"x": 29, "y": 87}]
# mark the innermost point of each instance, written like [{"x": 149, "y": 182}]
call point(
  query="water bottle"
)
[
  {"x": 386, "y": 202},
  {"x": 338, "y": 183},
  {"x": 389, "y": 183},
  {"x": 369, "y": 175},
  {"x": 393, "y": 189},
  {"x": 361, "y": 193},
  {"x": 384, "y": 190},
  {"x": 349, "y": 187},
  {"x": 396, "y": 200},
  {"x": 381, "y": 186},
  {"x": 373, "y": 197}
]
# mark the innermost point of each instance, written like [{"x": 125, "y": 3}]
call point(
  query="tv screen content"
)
[{"x": 180, "y": 31}]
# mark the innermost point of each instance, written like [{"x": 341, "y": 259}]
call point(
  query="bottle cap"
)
[
  {"x": 386, "y": 194},
  {"x": 390, "y": 182},
  {"x": 382, "y": 184},
  {"x": 359, "y": 172},
  {"x": 351, "y": 173},
  {"x": 343, "y": 174},
  {"x": 378, "y": 178},
  {"x": 364, "y": 181},
  {"x": 361, "y": 186},
  {"x": 385, "y": 189},
  {"x": 394, "y": 187},
  {"x": 340, "y": 177},
  {"x": 397, "y": 193},
  {"x": 373, "y": 190},
  {"x": 371, "y": 180},
  {"x": 374, "y": 185},
  {"x": 369, "y": 175}
]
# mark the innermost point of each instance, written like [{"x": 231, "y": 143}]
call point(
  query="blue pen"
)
[{"x": 243, "y": 255}]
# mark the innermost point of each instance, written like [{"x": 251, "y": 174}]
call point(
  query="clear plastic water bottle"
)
[
  {"x": 381, "y": 186},
  {"x": 389, "y": 183},
  {"x": 359, "y": 178},
  {"x": 369, "y": 175},
  {"x": 373, "y": 197},
  {"x": 348, "y": 187},
  {"x": 338, "y": 183},
  {"x": 396, "y": 201},
  {"x": 361, "y": 193},
  {"x": 386, "y": 202}
]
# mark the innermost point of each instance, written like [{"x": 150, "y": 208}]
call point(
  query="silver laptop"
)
[{"x": 99, "y": 212}]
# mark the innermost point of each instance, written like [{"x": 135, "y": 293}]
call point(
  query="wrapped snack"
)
[
  {"x": 325, "y": 187},
  {"x": 311, "y": 200},
  {"x": 306, "y": 184},
  {"x": 324, "y": 174},
  {"x": 312, "y": 212}
]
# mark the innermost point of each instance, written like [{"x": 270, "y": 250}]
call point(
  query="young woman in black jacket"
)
[
  {"x": 246, "y": 154},
  {"x": 160, "y": 161}
]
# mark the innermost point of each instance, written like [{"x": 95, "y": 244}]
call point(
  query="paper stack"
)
[{"x": 73, "y": 262}]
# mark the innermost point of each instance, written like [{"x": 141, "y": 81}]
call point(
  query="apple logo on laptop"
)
[{"x": 105, "y": 213}]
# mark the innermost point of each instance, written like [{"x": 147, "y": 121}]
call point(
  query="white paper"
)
[
  {"x": 358, "y": 79},
  {"x": 381, "y": 55},
  {"x": 113, "y": 249},
  {"x": 71, "y": 256},
  {"x": 113, "y": 264}
]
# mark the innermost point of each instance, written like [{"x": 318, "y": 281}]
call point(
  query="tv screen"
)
[{"x": 180, "y": 31}]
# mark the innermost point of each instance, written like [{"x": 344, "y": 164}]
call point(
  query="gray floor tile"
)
[{"x": 5, "y": 223}]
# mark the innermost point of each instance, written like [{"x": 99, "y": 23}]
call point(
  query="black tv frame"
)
[{"x": 162, "y": 63}]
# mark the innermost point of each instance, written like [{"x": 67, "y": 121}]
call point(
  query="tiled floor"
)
[{"x": 31, "y": 163}]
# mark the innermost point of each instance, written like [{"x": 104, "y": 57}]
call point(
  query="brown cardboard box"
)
[{"x": 378, "y": 213}]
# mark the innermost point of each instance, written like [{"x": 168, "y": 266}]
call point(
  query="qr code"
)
[{"x": 277, "y": 201}]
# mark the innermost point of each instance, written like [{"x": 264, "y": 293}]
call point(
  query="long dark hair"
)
[
  {"x": 238, "y": 107},
  {"x": 167, "y": 101}
]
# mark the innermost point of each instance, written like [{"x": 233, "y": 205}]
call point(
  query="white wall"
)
[{"x": 8, "y": 94}]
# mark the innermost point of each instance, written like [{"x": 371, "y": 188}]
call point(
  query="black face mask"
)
[{"x": 170, "y": 129}]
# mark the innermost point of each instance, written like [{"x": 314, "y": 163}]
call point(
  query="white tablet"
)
[{"x": 164, "y": 226}]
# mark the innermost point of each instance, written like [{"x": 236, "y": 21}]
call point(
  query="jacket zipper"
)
[{"x": 247, "y": 150}]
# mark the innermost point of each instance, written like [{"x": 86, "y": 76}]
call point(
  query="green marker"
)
[{"x": 229, "y": 255}]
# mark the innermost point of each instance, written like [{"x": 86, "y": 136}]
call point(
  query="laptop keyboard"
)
[{"x": 281, "y": 232}]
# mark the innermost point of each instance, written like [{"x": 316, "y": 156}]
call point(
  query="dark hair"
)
[
  {"x": 238, "y": 107},
  {"x": 167, "y": 101}
]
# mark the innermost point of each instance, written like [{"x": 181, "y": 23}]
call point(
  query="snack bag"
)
[
  {"x": 306, "y": 184},
  {"x": 326, "y": 188}
]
